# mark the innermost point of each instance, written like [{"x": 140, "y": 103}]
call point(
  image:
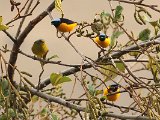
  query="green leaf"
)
[
  {"x": 11, "y": 112},
  {"x": 154, "y": 23},
  {"x": 58, "y": 79},
  {"x": 115, "y": 35},
  {"x": 52, "y": 57},
  {"x": 103, "y": 98},
  {"x": 54, "y": 78},
  {"x": 35, "y": 98},
  {"x": 98, "y": 92},
  {"x": 145, "y": 18},
  {"x": 54, "y": 117},
  {"x": 4, "y": 83},
  {"x": 118, "y": 12},
  {"x": 2, "y": 27},
  {"x": 4, "y": 87},
  {"x": 135, "y": 54},
  {"x": 104, "y": 14},
  {"x": 120, "y": 67},
  {"x": 144, "y": 35},
  {"x": 64, "y": 79},
  {"x": 154, "y": 68},
  {"x": 156, "y": 26},
  {"x": 91, "y": 89},
  {"x": 3, "y": 117},
  {"x": 43, "y": 112}
]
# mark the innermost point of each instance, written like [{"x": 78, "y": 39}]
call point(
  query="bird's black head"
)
[
  {"x": 56, "y": 22},
  {"x": 102, "y": 37},
  {"x": 114, "y": 87},
  {"x": 40, "y": 41}
]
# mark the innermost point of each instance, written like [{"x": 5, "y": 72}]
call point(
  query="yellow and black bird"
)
[
  {"x": 112, "y": 89},
  {"x": 40, "y": 49},
  {"x": 103, "y": 40},
  {"x": 63, "y": 24}
]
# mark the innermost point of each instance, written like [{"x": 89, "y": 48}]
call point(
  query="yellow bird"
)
[
  {"x": 40, "y": 49},
  {"x": 112, "y": 89},
  {"x": 103, "y": 40},
  {"x": 63, "y": 24}
]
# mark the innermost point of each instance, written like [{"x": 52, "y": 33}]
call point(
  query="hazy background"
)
[{"x": 77, "y": 10}]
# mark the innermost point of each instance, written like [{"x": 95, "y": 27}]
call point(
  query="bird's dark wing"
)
[{"x": 67, "y": 21}]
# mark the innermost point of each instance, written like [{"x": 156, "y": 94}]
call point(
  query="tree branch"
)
[
  {"x": 153, "y": 7},
  {"x": 114, "y": 55},
  {"x": 79, "y": 108},
  {"x": 127, "y": 117},
  {"x": 21, "y": 38}
]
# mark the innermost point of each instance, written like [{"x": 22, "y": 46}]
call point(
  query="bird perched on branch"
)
[
  {"x": 40, "y": 49},
  {"x": 63, "y": 24},
  {"x": 103, "y": 40},
  {"x": 112, "y": 89}
]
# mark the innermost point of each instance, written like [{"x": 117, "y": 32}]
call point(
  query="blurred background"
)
[{"x": 76, "y": 10}]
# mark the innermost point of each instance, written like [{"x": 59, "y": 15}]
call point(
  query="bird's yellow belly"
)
[
  {"x": 104, "y": 43},
  {"x": 63, "y": 27},
  {"x": 113, "y": 97}
]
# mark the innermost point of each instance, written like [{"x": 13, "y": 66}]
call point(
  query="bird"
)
[
  {"x": 112, "y": 89},
  {"x": 40, "y": 48},
  {"x": 64, "y": 24},
  {"x": 103, "y": 40}
]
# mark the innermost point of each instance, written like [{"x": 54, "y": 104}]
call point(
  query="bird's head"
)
[
  {"x": 56, "y": 22},
  {"x": 40, "y": 41},
  {"x": 113, "y": 88},
  {"x": 102, "y": 37}
]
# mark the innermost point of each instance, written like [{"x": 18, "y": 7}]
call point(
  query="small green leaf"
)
[
  {"x": 154, "y": 68},
  {"x": 145, "y": 18},
  {"x": 64, "y": 79},
  {"x": 91, "y": 89},
  {"x": 52, "y": 57},
  {"x": 4, "y": 83},
  {"x": 154, "y": 23},
  {"x": 120, "y": 67},
  {"x": 11, "y": 112},
  {"x": 135, "y": 54},
  {"x": 98, "y": 92},
  {"x": 144, "y": 35},
  {"x": 4, "y": 87},
  {"x": 156, "y": 26},
  {"x": 105, "y": 18},
  {"x": 54, "y": 117},
  {"x": 58, "y": 79},
  {"x": 103, "y": 98},
  {"x": 35, "y": 98},
  {"x": 44, "y": 112},
  {"x": 54, "y": 78},
  {"x": 3, "y": 117},
  {"x": 118, "y": 12},
  {"x": 104, "y": 14},
  {"x": 2, "y": 27},
  {"x": 115, "y": 35}
]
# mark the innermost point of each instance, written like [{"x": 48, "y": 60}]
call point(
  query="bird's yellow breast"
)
[
  {"x": 104, "y": 43},
  {"x": 111, "y": 97},
  {"x": 40, "y": 50},
  {"x": 63, "y": 27}
]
